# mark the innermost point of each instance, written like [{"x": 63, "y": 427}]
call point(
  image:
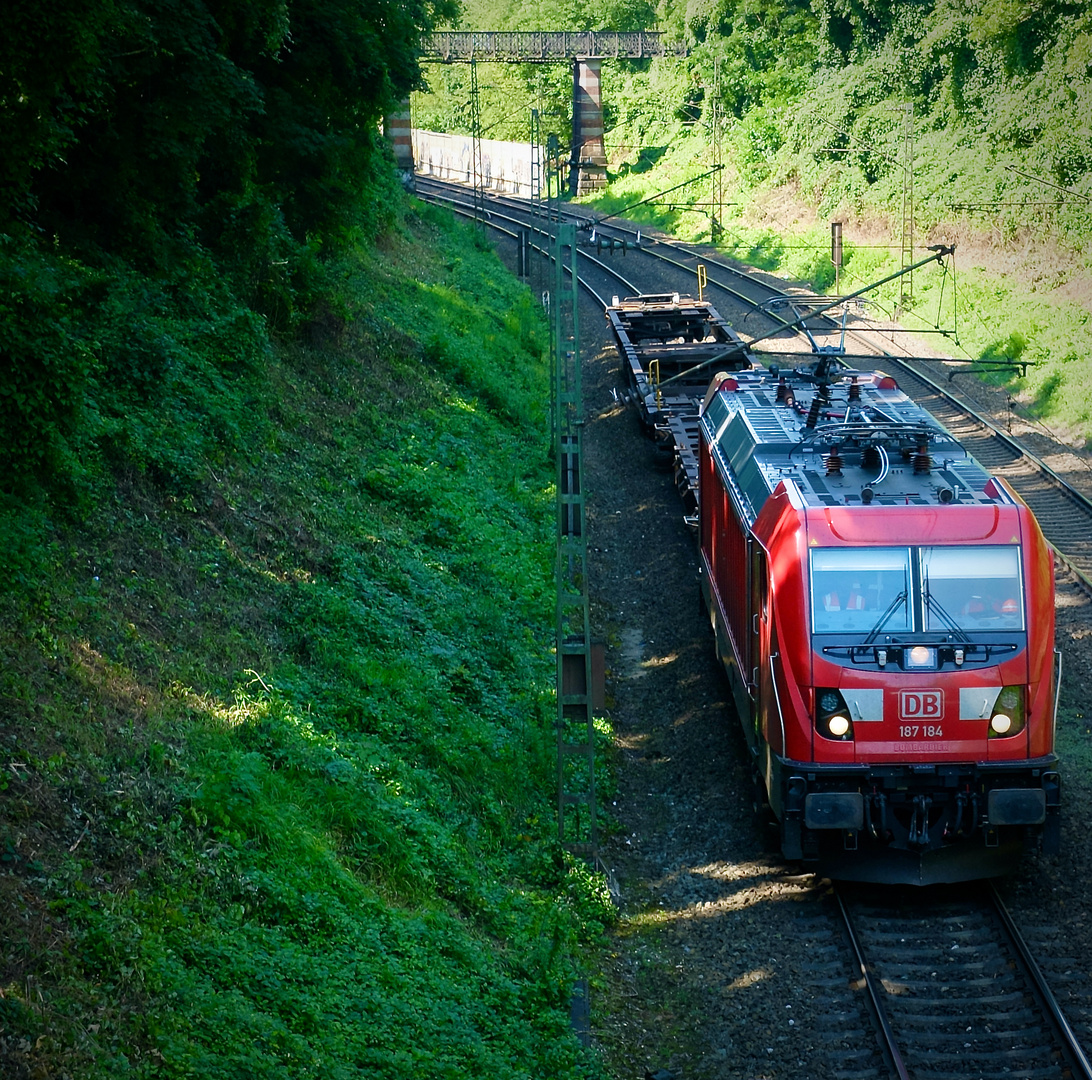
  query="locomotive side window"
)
[
  {"x": 854, "y": 589},
  {"x": 972, "y": 587}
]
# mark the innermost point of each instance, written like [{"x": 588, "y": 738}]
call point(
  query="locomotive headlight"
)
[
  {"x": 832, "y": 716},
  {"x": 921, "y": 656},
  {"x": 838, "y": 725},
  {"x": 1007, "y": 717}
]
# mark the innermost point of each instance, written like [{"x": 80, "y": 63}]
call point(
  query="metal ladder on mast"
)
[
  {"x": 476, "y": 163},
  {"x": 577, "y": 826}
]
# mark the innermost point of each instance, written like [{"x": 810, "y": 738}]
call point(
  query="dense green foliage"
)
[
  {"x": 170, "y": 175},
  {"x": 277, "y": 796},
  {"x": 816, "y": 93},
  {"x": 978, "y": 115},
  {"x": 276, "y": 704}
]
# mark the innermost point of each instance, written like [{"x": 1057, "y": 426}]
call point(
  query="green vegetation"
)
[
  {"x": 172, "y": 180},
  {"x": 277, "y": 743},
  {"x": 275, "y": 502},
  {"x": 816, "y": 104},
  {"x": 276, "y": 612}
]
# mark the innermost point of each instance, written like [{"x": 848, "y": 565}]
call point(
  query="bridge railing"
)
[{"x": 542, "y": 46}]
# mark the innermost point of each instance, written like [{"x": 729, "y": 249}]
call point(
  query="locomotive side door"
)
[{"x": 759, "y": 631}]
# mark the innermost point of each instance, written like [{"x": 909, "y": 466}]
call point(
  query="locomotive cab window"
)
[
  {"x": 975, "y": 588},
  {"x": 856, "y": 589},
  {"x": 931, "y": 590}
]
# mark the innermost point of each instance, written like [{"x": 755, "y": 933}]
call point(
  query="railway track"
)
[
  {"x": 1063, "y": 509},
  {"x": 954, "y": 990}
]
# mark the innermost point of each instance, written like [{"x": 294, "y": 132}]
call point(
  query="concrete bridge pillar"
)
[
  {"x": 397, "y": 126},
  {"x": 588, "y": 164}
]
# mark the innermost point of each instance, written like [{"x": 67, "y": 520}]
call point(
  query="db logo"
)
[{"x": 920, "y": 704}]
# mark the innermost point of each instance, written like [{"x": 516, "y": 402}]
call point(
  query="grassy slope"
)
[{"x": 277, "y": 763}]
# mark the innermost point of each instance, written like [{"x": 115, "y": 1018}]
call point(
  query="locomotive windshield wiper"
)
[
  {"x": 936, "y": 608},
  {"x": 891, "y": 609}
]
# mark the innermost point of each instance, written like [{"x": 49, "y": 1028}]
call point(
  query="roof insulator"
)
[{"x": 813, "y": 412}]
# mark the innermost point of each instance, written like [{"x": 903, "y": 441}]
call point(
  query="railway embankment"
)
[{"x": 276, "y": 757}]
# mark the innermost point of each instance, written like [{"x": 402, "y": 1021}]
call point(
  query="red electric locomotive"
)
[{"x": 885, "y": 612}]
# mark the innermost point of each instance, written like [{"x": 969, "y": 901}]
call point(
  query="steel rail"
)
[
  {"x": 1076, "y": 1061},
  {"x": 677, "y": 245},
  {"x": 781, "y": 324},
  {"x": 1071, "y": 1047},
  {"x": 889, "y": 1048}
]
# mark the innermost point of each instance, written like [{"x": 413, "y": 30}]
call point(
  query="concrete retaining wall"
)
[{"x": 506, "y": 166}]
